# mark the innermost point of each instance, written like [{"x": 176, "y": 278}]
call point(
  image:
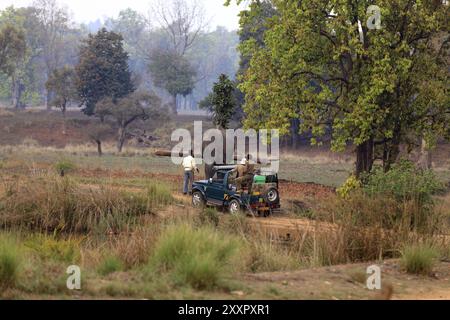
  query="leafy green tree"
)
[
  {"x": 62, "y": 83},
  {"x": 53, "y": 27},
  {"x": 173, "y": 73},
  {"x": 138, "y": 37},
  {"x": 221, "y": 102},
  {"x": 253, "y": 23},
  {"x": 127, "y": 110},
  {"x": 13, "y": 55},
  {"x": 50, "y": 43},
  {"x": 323, "y": 65},
  {"x": 103, "y": 70},
  {"x": 12, "y": 48}
]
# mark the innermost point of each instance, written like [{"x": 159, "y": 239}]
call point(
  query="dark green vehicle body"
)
[{"x": 218, "y": 191}]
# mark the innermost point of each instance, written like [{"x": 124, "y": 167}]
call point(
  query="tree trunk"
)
[
  {"x": 390, "y": 154},
  {"x": 121, "y": 139},
  {"x": 294, "y": 133},
  {"x": 364, "y": 157},
  {"x": 174, "y": 105},
  {"x": 99, "y": 147},
  {"x": 17, "y": 91},
  {"x": 425, "y": 160},
  {"x": 48, "y": 100},
  {"x": 13, "y": 90},
  {"x": 64, "y": 120}
]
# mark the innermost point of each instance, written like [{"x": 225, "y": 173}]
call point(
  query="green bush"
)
[
  {"x": 196, "y": 257},
  {"x": 49, "y": 247},
  {"x": 351, "y": 184},
  {"x": 10, "y": 261},
  {"x": 419, "y": 258},
  {"x": 110, "y": 264},
  {"x": 64, "y": 166},
  {"x": 404, "y": 182}
]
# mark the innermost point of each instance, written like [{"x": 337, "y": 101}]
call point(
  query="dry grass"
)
[
  {"x": 317, "y": 156},
  {"x": 54, "y": 204},
  {"x": 370, "y": 228},
  {"x": 30, "y": 145},
  {"x": 134, "y": 248},
  {"x": 419, "y": 258},
  {"x": 6, "y": 113}
]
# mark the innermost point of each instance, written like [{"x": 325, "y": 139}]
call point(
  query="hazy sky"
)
[{"x": 91, "y": 10}]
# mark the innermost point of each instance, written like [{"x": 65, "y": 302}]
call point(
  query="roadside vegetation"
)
[{"x": 134, "y": 238}]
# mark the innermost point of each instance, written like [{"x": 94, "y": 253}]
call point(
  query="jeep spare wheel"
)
[{"x": 272, "y": 195}]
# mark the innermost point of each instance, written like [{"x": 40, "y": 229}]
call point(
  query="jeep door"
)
[{"x": 216, "y": 189}]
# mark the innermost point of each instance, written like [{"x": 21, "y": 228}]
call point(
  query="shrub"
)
[
  {"x": 49, "y": 247},
  {"x": 10, "y": 261},
  {"x": 64, "y": 166},
  {"x": 63, "y": 205},
  {"x": 197, "y": 257},
  {"x": 110, "y": 264},
  {"x": 411, "y": 188},
  {"x": 350, "y": 185},
  {"x": 404, "y": 182},
  {"x": 418, "y": 258}
]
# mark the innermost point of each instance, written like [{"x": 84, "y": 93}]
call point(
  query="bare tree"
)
[
  {"x": 53, "y": 20},
  {"x": 182, "y": 20}
]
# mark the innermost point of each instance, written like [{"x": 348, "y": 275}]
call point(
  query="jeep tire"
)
[
  {"x": 197, "y": 200},
  {"x": 234, "y": 207}
]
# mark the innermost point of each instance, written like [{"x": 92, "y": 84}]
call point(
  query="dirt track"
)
[{"x": 338, "y": 282}]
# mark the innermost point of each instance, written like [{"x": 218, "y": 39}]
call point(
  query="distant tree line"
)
[{"x": 171, "y": 53}]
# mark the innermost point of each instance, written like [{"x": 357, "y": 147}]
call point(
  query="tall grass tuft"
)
[
  {"x": 265, "y": 256},
  {"x": 110, "y": 264},
  {"x": 64, "y": 205},
  {"x": 133, "y": 249},
  {"x": 64, "y": 166},
  {"x": 198, "y": 257},
  {"x": 159, "y": 194},
  {"x": 10, "y": 260},
  {"x": 419, "y": 258}
]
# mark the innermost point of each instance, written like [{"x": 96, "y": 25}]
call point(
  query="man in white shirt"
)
[{"x": 189, "y": 166}]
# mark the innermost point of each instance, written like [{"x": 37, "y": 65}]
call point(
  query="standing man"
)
[{"x": 189, "y": 166}]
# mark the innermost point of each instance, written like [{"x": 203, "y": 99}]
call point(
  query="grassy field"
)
[
  {"x": 122, "y": 219},
  {"x": 332, "y": 174}
]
